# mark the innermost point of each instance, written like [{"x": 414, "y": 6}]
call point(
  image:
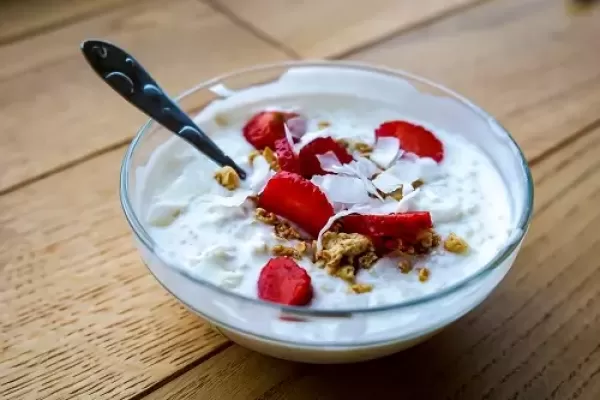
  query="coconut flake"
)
[
  {"x": 344, "y": 189},
  {"x": 288, "y": 136},
  {"x": 297, "y": 126},
  {"x": 386, "y": 151},
  {"x": 387, "y": 182},
  {"x": 365, "y": 166},
  {"x": 310, "y": 136},
  {"x": 329, "y": 162}
]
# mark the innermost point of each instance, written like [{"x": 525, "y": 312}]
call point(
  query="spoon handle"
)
[{"x": 128, "y": 78}]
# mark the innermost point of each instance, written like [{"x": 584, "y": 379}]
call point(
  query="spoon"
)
[{"x": 128, "y": 78}]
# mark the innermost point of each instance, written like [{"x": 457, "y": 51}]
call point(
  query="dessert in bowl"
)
[{"x": 378, "y": 208}]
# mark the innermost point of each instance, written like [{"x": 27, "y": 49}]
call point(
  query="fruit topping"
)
[
  {"x": 264, "y": 128},
  {"x": 413, "y": 139},
  {"x": 287, "y": 160},
  {"x": 389, "y": 232},
  {"x": 309, "y": 162},
  {"x": 297, "y": 199},
  {"x": 283, "y": 281}
]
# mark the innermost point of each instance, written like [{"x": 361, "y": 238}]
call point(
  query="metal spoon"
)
[{"x": 128, "y": 78}]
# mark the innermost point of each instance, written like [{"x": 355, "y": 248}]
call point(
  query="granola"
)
[
  {"x": 228, "y": 178},
  {"x": 281, "y": 228},
  {"x": 363, "y": 148},
  {"x": 265, "y": 216},
  {"x": 423, "y": 274},
  {"x": 342, "y": 253},
  {"x": 284, "y": 230},
  {"x": 271, "y": 158},
  {"x": 405, "y": 266},
  {"x": 359, "y": 288},
  {"x": 455, "y": 244},
  {"x": 253, "y": 154},
  {"x": 280, "y": 250},
  {"x": 396, "y": 194}
]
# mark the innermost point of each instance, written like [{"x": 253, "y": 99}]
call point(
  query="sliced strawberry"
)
[
  {"x": 283, "y": 281},
  {"x": 413, "y": 139},
  {"x": 291, "y": 196},
  {"x": 308, "y": 155},
  {"x": 264, "y": 128},
  {"x": 385, "y": 230},
  {"x": 286, "y": 158}
]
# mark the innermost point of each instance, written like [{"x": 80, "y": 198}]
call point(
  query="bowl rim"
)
[{"x": 520, "y": 230}]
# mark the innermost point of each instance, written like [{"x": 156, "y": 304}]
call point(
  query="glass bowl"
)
[{"x": 348, "y": 335}]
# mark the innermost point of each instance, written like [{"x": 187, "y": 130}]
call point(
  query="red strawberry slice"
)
[
  {"x": 286, "y": 158},
  {"x": 308, "y": 155},
  {"x": 291, "y": 196},
  {"x": 413, "y": 139},
  {"x": 264, "y": 128},
  {"x": 283, "y": 281},
  {"x": 385, "y": 229}
]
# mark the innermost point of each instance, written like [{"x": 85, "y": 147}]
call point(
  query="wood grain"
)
[
  {"x": 536, "y": 337},
  {"x": 20, "y": 18},
  {"x": 81, "y": 315},
  {"x": 317, "y": 29},
  {"x": 528, "y": 62},
  {"x": 54, "y": 110}
]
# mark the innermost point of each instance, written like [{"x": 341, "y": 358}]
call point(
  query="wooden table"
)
[{"x": 82, "y": 317}]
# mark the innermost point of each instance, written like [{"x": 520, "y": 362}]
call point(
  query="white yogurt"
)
[{"x": 208, "y": 231}]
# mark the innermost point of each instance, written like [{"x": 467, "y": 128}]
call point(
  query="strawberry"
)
[
  {"x": 413, "y": 139},
  {"x": 287, "y": 160},
  {"x": 308, "y": 155},
  {"x": 291, "y": 196},
  {"x": 264, "y": 128},
  {"x": 283, "y": 281},
  {"x": 385, "y": 230}
]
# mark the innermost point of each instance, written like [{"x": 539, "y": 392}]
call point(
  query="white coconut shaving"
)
[
  {"x": 360, "y": 168},
  {"x": 297, "y": 126},
  {"x": 387, "y": 182},
  {"x": 409, "y": 171},
  {"x": 343, "y": 189},
  {"x": 309, "y": 137},
  {"x": 386, "y": 151},
  {"x": 288, "y": 136}
]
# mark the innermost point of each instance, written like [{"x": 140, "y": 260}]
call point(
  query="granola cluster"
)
[
  {"x": 268, "y": 154},
  {"x": 455, "y": 244},
  {"x": 343, "y": 254},
  {"x": 228, "y": 178},
  {"x": 294, "y": 252},
  {"x": 281, "y": 228}
]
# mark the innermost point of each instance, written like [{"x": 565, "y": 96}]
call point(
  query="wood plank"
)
[
  {"x": 54, "y": 110},
  {"x": 528, "y": 62},
  {"x": 81, "y": 315},
  {"x": 225, "y": 376},
  {"x": 20, "y": 18},
  {"x": 536, "y": 337},
  {"x": 317, "y": 29}
]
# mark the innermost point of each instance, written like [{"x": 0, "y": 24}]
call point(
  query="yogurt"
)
[{"x": 213, "y": 234}]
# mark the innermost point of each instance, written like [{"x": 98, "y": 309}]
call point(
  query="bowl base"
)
[{"x": 320, "y": 355}]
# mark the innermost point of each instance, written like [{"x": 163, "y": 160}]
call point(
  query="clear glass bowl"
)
[{"x": 318, "y": 335}]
